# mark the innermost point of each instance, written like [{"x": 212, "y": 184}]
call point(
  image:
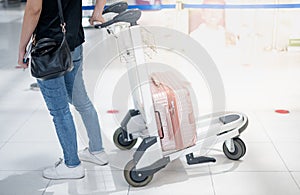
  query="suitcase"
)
[{"x": 174, "y": 111}]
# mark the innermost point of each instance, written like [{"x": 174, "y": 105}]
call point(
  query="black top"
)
[{"x": 49, "y": 22}]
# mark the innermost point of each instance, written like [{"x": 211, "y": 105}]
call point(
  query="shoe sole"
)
[
  {"x": 63, "y": 178},
  {"x": 94, "y": 162}
]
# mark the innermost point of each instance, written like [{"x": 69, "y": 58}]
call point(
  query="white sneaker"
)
[
  {"x": 61, "y": 171},
  {"x": 98, "y": 159}
]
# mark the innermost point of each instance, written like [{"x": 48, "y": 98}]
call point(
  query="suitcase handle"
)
[{"x": 161, "y": 127}]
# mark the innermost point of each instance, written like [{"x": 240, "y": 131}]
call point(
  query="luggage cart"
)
[
  {"x": 140, "y": 122},
  {"x": 116, "y": 8}
]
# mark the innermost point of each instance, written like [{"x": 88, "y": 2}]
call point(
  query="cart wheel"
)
[
  {"x": 133, "y": 178},
  {"x": 120, "y": 142},
  {"x": 239, "y": 149}
]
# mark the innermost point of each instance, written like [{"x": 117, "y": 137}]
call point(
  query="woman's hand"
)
[
  {"x": 96, "y": 18},
  {"x": 21, "y": 63}
]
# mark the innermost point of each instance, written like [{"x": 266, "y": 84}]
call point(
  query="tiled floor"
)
[{"x": 271, "y": 165}]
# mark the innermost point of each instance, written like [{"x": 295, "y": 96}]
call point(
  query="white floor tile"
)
[
  {"x": 255, "y": 132},
  {"x": 282, "y": 128},
  {"x": 17, "y": 112},
  {"x": 9, "y": 127},
  {"x": 258, "y": 183},
  {"x": 272, "y": 116},
  {"x": 177, "y": 183},
  {"x": 39, "y": 128},
  {"x": 296, "y": 176},
  {"x": 94, "y": 182},
  {"x": 14, "y": 80},
  {"x": 2, "y": 144},
  {"x": 28, "y": 156},
  {"x": 22, "y": 182},
  {"x": 9, "y": 37},
  {"x": 31, "y": 100},
  {"x": 284, "y": 131},
  {"x": 18, "y": 116},
  {"x": 290, "y": 154},
  {"x": 258, "y": 157},
  {"x": 17, "y": 102}
]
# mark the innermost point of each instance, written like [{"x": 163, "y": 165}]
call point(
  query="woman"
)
[{"x": 41, "y": 18}]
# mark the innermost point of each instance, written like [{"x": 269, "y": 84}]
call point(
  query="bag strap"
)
[{"x": 61, "y": 17}]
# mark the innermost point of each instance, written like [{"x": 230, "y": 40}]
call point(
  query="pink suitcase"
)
[{"x": 174, "y": 111}]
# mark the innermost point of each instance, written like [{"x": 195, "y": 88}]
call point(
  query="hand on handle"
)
[{"x": 96, "y": 19}]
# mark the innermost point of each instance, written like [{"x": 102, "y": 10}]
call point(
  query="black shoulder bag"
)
[{"x": 49, "y": 58}]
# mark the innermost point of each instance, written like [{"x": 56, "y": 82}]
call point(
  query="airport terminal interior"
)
[{"x": 249, "y": 63}]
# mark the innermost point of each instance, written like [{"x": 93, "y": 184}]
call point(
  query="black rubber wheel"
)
[
  {"x": 133, "y": 178},
  {"x": 120, "y": 142},
  {"x": 239, "y": 149}
]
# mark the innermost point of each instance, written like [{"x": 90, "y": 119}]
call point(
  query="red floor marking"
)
[
  {"x": 282, "y": 111},
  {"x": 112, "y": 111}
]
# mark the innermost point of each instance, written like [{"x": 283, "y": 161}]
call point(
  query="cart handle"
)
[
  {"x": 117, "y": 7},
  {"x": 129, "y": 16}
]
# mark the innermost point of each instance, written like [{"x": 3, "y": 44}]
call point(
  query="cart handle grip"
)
[
  {"x": 117, "y": 7},
  {"x": 129, "y": 16}
]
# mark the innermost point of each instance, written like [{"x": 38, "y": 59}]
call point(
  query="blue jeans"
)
[{"x": 61, "y": 91}]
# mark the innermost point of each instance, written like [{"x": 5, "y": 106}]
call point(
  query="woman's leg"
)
[
  {"x": 55, "y": 95},
  {"x": 79, "y": 98}
]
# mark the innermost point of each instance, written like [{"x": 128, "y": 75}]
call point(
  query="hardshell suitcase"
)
[{"x": 174, "y": 111}]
